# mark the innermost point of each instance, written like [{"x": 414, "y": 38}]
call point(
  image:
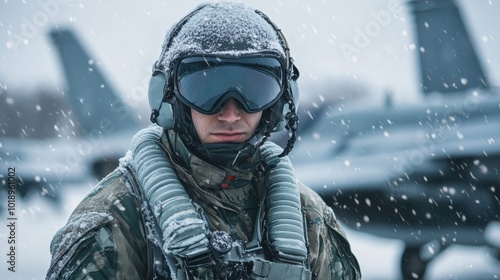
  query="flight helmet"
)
[{"x": 221, "y": 51}]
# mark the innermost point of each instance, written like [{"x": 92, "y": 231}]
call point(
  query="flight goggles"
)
[{"x": 206, "y": 82}]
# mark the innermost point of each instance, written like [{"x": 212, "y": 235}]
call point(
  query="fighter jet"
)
[
  {"x": 92, "y": 132},
  {"x": 425, "y": 173}
]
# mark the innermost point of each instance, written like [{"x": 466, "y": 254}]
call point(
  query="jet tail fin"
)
[
  {"x": 94, "y": 102},
  {"x": 448, "y": 60}
]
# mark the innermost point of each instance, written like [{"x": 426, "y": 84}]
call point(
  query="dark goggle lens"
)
[{"x": 204, "y": 83}]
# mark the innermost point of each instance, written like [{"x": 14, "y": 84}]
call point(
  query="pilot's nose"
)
[{"x": 230, "y": 112}]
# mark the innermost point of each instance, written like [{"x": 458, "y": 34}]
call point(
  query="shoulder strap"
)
[{"x": 161, "y": 268}]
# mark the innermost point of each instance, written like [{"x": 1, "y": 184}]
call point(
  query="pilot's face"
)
[{"x": 230, "y": 124}]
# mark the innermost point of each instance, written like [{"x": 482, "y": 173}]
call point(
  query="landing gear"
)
[
  {"x": 412, "y": 265},
  {"x": 492, "y": 236},
  {"x": 415, "y": 259}
]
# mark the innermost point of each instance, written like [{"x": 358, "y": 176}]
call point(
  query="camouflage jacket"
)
[{"x": 106, "y": 236}]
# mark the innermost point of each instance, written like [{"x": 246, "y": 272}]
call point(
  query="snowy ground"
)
[{"x": 38, "y": 220}]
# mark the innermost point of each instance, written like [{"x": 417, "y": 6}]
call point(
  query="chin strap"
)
[
  {"x": 250, "y": 146},
  {"x": 228, "y": 154}
]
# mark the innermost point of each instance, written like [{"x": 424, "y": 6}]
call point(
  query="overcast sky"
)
[{"x": 126, "y": 40}]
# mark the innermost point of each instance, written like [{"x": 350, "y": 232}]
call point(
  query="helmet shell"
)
[{"x": 220, "y": 28}]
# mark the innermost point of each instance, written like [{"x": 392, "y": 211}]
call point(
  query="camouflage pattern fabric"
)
[{"x": 106, "y": 238}]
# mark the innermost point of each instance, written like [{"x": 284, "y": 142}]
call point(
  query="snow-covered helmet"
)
[{"x": 231, "y": 44}]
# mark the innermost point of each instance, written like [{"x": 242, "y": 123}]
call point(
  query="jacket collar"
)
[{"x": 206, "y": 175}]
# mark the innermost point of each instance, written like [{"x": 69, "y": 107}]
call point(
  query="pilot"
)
[{"x": 201, "y": 194}]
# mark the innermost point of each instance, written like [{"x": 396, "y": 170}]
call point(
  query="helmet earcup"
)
[{"x": 161, "y": 111}]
